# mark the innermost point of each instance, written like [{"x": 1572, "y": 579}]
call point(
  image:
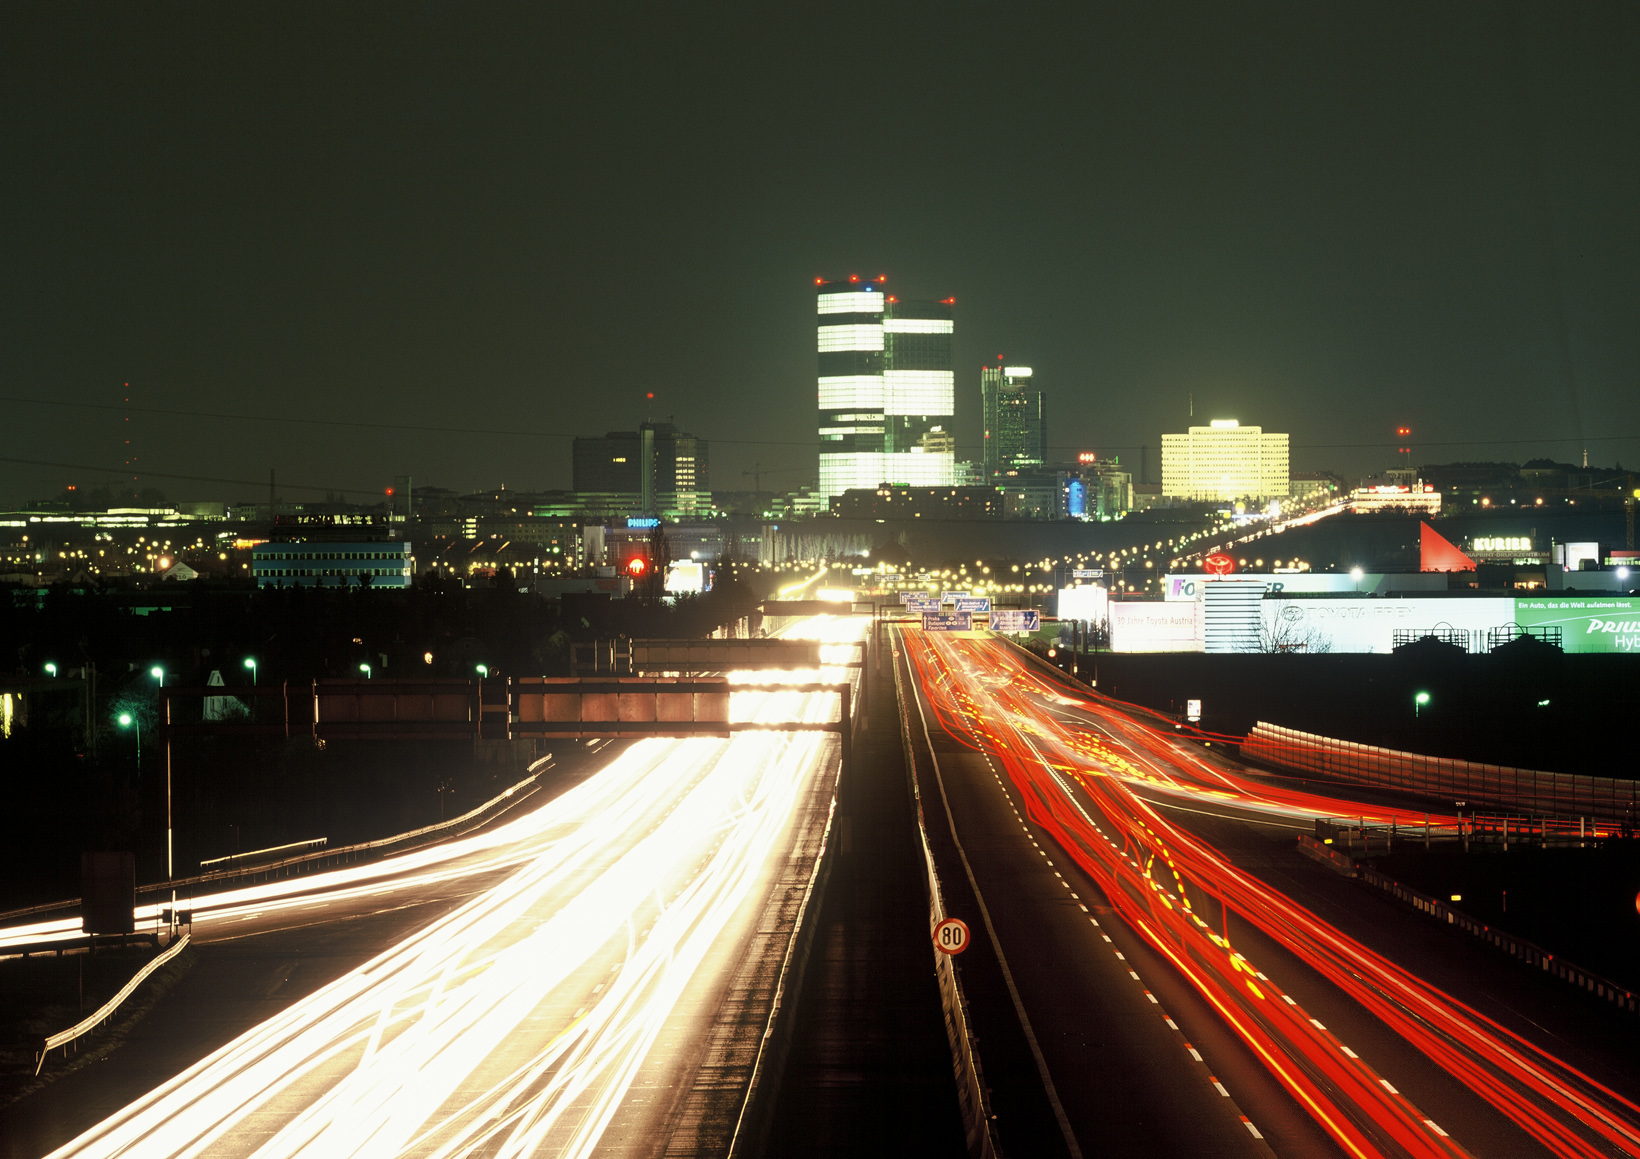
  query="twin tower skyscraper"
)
[{"x": 887, "y": 389}]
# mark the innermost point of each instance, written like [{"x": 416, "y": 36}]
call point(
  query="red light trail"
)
[{"x": 986, "y": 696}]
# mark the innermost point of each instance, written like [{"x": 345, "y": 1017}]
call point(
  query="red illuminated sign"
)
[
  {"x": 1218, "y": 564},
  {"x": 637, "y": 566}
]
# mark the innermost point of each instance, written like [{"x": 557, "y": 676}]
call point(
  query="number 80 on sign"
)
[{"x": 951, "y": 936}]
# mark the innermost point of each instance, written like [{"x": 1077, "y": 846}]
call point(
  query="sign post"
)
[
  {"x": 1016, "y": 620},
  {"x": 951, "y": 936}
]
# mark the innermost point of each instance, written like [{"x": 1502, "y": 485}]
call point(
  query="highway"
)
[
  {"x": 1075, "y": 823},
  {"x": 564, "y": 998}
]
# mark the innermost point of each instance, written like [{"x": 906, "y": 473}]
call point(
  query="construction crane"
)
[{"x": 757, "y": 472}]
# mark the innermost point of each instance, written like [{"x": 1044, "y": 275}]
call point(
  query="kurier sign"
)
[{"x": 1218, "y": 564}]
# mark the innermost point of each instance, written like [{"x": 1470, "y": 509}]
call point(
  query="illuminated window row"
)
[
  {"x": 851, "y": 430},
  {"x": 852, "y": 302},
  {"x": 918, "y": 392},
  {"x": 851, "y": 390},
  {"x": 919, "y": 326},
  {"x": 865, "y": 469},
  {"x": 867, "y": 336}
]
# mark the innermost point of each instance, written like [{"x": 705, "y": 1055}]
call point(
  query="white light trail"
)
[{"x": 515, "y": 1024}]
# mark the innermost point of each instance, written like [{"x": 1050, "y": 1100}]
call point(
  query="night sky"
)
[{"x": 1329, "y": 219}]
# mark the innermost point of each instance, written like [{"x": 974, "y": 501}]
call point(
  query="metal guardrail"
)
[
  {"x": 102, "y": 1013},
  {"x": 236, "y": 858},
  {"x": 1612, "y": 800},
  {"x": 1519, "y": 948},
  {"x": 973, "y": 1097},
  {"x": 344, "y": 852}
]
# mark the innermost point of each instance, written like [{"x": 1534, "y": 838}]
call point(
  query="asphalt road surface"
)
[
  {"x": 1325, "y": 1022},
  {"x": 553, "y": 984}
]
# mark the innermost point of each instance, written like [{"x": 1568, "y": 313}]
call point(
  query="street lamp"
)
[
  {"x": 158, "y": 673},
  {"x": 51, "y": 670},
  {"x": 1418, "y": 703},
  {"x": 365, "y": 668},
  {"x": 129, "y": 721},
  {"x": 483, "y": 671},
  {"x": 250, "y": 662}
]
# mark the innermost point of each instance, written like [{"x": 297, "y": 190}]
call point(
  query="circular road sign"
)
[
  {"x": 1218, "y": 564},
  {"x": 951, "y": 936}
]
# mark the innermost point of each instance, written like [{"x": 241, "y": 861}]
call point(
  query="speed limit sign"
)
[{"x": 951, "y": 936}]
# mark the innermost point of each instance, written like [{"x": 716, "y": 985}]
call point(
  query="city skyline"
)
[{"x": 1453, "y": 257}]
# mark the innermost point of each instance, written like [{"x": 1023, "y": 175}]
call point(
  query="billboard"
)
[
  {"x": 1369, "y": 624},
  {"x": 1189, "y": 587},
  {"x": 1587, "y": 623},
  {"x": 1155, "y": 626},
  {"x": 1088, "y": 604}
]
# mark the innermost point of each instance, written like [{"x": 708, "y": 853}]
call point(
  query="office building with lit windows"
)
[
  {"x": 652, "y": 469},
  {"x": 1016, "y": 420},
  {"x": 886, "y": 392},
  {"x": 1223, "y": 462},
  {"x": 318, "y": 564}
]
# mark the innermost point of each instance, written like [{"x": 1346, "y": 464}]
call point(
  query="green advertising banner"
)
[{"x": 1587, "y": 623}]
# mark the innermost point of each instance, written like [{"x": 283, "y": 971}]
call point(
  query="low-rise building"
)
[{"x": 380, "y": 564}]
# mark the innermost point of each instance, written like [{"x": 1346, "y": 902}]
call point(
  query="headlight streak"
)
[
  {"x": 1567, "y": 1111},
  {"x": 458, "y": 1041}
]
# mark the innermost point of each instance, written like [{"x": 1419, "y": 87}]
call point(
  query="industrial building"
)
[{"x": 886, "y": 393}]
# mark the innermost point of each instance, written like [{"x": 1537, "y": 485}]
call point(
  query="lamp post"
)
[
  {"x": 250, "y": 662},
  {"x": 483, "y": 671},
  {"x": 1418, "y": 703},
  {"x": 158, "y": 673},
  {"x": 365, "y": 668},
  {"x": 51, "y": 670},
  {"x": 127, "y": 720}
]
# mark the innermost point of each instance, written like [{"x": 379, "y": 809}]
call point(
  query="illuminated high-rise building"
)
[
  {"x": 886, "y": 391},
  {"x": 1016, "y": 420},
  {"x": 1225, "y": 461}
]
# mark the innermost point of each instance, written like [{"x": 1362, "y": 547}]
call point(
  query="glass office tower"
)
[
  {"x": 1016, "y": 420},
  {"x": 886, "y": 390}
]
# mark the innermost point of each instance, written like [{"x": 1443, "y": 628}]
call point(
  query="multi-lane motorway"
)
[
  {"x": 561, "y": 991},
  {"x": 1153, "y": 970},
  {"x": 1164, "y": 996}
]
